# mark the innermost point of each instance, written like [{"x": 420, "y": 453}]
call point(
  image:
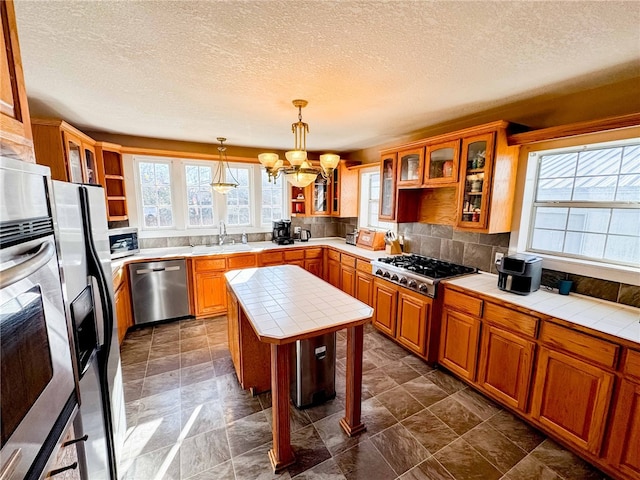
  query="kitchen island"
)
[{"x": 284, "y": 304}]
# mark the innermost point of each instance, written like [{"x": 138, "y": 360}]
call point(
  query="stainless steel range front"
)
[{"x": 417, "y": 272}]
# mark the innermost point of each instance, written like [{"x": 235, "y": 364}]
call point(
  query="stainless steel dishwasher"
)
[{"x": 158, "y": 290}]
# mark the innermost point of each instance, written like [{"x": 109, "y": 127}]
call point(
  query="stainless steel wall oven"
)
[{"x": 38, "y": 396}]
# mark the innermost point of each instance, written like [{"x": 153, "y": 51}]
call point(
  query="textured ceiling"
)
[{"x": 371, "y": 70}]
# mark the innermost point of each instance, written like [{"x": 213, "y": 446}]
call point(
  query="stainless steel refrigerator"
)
[{"x": 85, "y": 270}]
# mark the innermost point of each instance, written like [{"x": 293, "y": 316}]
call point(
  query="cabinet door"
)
[
  {"x": 410, "y": 164},
  {"x": 624, "y": 448},
  {"x": 459, "y": 343},
  {"x": 211, "y": 293},
  {"x": 122, "y": 301},
  {"x": 476, "y": 162},
  {"x": 314, "y": 266},
  {"x": 73, "y": 154},
  {"x": 387, "y": 187},
  {"x": 89, "y": 167},
  {"x": 15, "y": 124},
  {"x": 413, "y": 320},
  {"x": 385, "y": 299},
  {"x": 333, "y": 274},
  {"x": 364, "y": 288},
  {"x": 320, "y": 197},
  {"x": 506, "y": 365},
  {"x": 571, "y": 398},
  {"x": 348, "y": 280},
  {"x": 441, "y": 164}
]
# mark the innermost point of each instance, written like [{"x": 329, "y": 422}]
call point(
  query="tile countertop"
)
[
  {"x": 607, "y": 317},
  {"x": 199, "y": 251},
  {"x": 286, "y": 301}
]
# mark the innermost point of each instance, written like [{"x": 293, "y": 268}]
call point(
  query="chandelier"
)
[
  {"x": 300, "y": 172},
  {"x": 219, "y": 184}
]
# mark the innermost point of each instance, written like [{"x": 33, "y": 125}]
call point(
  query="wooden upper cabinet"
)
[
  {"x": 488, "y": 167},
  {"x": 344, "y": 191},
  {"x": 441, "y": 164},
  {"x": 320, "y": 197},
  {"x": 410, "y": 165},
  {"x": 69, "y": 153},
  {"x": 111, "y": 176},
  {"x": 388, "y": 187},
  {"x": 16, "y": 139}
]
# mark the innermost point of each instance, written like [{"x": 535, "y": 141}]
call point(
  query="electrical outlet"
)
[{"x": 498, "y": 258}]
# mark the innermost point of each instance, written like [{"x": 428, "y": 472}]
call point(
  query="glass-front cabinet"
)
[
  {"x": 476, "y": 166},
  {"x": 320, "y": 197},
  {"x": 73, "y": 149},
  {"x": 90, "y": 167},
  {"x": 410, "y": 163},
  {"x": 388, "y": 187},
  {"x": 441, "y": 164}
]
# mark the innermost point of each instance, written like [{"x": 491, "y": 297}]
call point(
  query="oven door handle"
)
[{"x": 16, "y": 273}]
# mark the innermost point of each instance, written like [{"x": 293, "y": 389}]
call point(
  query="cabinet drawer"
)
[
  {"x": 632, "y": 364},
  {"x": 313, "y": 253},
  {"x": 363, "y": 266},
  {"x": 333, "y": 255},
  {"x": 293, "y": 255},
  {"x": 270, "y": 258},
  {"x": 242, "y": 261},
  {"x": 212, "y": 264},
  {"x": 463, "y": 303},
  {"x": 510, "y": 319},
  {"x": 348, "y": 261},
  {"x": 591, "y": 349}
]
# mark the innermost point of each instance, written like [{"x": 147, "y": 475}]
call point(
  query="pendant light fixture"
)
[
  {"x": 300, "y": 172},
  {"x": 219, "y": 184}
]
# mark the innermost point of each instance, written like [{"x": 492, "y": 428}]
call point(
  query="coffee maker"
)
[{"x": 282, "y": 232}]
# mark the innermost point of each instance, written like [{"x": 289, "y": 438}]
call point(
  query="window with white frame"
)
[
  {"x": 176, "y": 194},
  {"x": 586, "y": 204},
  {"x": 155, "y": 194},
  {"x": 239, "y": 198},
  {"x": 199, "y": 196},
  {"x": 272, "y": 203},
  {"x": 370, "y": 201}
]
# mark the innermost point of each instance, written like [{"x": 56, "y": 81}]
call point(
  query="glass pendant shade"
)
[
  {"x": 329, "y": 161},
  {"x": 300, "y": 179},
  {"x": 223, "y": 188},
  {"x": 219, "y": 184},
  {"x": 268, "y": 160},
  {"x": 296, "y": 157}
]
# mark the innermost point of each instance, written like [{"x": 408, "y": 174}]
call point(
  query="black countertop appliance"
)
[
  {"x": 282, "y": 232},
  {"x": 520, "y": 273}
]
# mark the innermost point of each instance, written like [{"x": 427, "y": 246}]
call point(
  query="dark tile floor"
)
[{"x": 189, "y": 419}]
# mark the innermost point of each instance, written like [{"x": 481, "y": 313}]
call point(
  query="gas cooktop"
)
[{"x": 418, "y": 272}]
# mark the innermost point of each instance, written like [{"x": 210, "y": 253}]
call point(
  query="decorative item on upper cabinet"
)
[
  {"x": 410, "y": 164},
  {"x": 15, "y": 126},
  {"x": 441, "y": 164}
]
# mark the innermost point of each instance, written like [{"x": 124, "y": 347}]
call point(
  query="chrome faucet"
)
[{"x": 223, "y": 233}]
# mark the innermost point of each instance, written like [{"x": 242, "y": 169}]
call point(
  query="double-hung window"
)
[
  {"x": 370, "y": 201},
  {"x": 239, "y": 198},
  {"x": 272, "y": 203},
  {"x": 586, "y": 204},
  {"x": 155, "y": 194},
  {"x": 200, "y": 198}
]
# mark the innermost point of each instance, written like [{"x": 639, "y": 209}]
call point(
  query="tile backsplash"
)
[{"x": 479, "y": 249}]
